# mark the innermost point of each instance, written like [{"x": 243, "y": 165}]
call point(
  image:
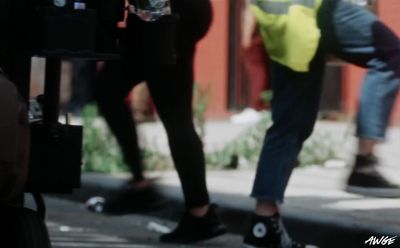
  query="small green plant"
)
[
  {"x": 318, "y": 149},
  {"x": 246, "y": 146},
  {"x": 155, "y": 160},
  {"x": 266, "y": 97},
  {"x": 201, "y": 98},
  {"x": 100, "y": 150}
]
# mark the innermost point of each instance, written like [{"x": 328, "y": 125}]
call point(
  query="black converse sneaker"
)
[
  {"x": 193, "y": 229},
  {"x": 365, "y": 179},
  {"x": 269, "y": 232}
]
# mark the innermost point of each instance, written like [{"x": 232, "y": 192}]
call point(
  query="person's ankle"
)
[
  {"x": 266, "y": 209},
  {"x": 365, "y": 155},
  {"x": 199, "y": 211},
  {"x": 366, "y": 147},
  {"x": 139, "y": 183}
]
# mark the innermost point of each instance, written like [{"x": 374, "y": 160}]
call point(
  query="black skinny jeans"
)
[{"x": 171, "y": 89}]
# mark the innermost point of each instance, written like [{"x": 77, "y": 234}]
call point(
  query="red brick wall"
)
[{"x": 211, "y": 63}]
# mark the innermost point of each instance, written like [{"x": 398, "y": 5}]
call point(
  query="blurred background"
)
[{"x": 231, "y": 109}]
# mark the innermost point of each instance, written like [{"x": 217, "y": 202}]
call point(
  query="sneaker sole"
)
[
  {"x": 375, "y": 192},
  {"x": 217, "y": 234}
]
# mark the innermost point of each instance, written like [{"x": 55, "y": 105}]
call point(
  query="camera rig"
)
[{"x": 59, "y": 33}]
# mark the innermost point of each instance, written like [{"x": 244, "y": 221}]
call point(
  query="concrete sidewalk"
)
[{"x": 316, "y": 209}]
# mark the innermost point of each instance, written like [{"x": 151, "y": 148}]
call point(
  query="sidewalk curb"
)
[{"x": 235, "y": 210}]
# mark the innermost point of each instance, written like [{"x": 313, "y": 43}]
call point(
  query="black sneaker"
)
[
  {"x": 193, "y": 229},
  {"x": 269, "y": 232},
  {"x": 365, "y": 179}
]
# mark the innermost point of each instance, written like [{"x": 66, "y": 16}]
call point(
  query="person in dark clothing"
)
[{"x": 171, "y": 89}]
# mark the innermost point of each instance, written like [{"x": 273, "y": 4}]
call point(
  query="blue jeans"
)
[
  {"x": 359, "y": 38},
  {"x": 365, "y": 41}
]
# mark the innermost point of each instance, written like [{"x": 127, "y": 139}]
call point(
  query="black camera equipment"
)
[{"x": 85, "y": 30}]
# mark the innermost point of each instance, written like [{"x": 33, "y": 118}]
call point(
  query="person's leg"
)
[
  {"x": 378, "y": 94},
  {"x": 294, "y": 110},
  {"x": 377, "y": 98},
  {"x": 379, "y": 91},
  {"x": 172, "y": 94},
  {"x": 364, "y": 40},
  {"x": 110, "y": 91},
  {"x": 171, "y": 87}
]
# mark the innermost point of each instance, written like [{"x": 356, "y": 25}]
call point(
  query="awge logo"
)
[{"x": 384, "y": 240}]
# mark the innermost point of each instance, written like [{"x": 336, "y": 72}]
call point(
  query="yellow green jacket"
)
[{"x": 289, "y": 30}]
